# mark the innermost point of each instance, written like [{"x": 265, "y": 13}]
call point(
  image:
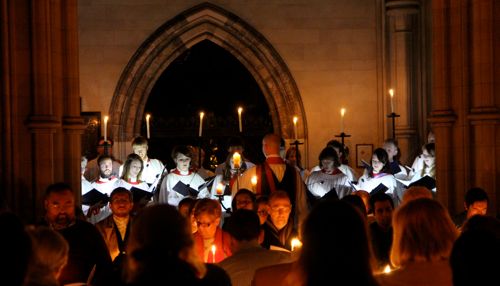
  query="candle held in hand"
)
[
  {"x": 148, "y": 116},
  {"x": 202, "y": 114},
  {"x": 296, "y": 243},
  {"x": 236, "y": 160},
  {"x": 240, "y": 110},
  {"x": 295, "y": 120}
]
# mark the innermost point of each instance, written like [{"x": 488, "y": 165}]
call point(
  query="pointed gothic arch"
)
[{"x": 204, "y": 22}]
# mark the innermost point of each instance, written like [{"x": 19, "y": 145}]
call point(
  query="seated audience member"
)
[
  {"x": 423, "y": 238},
  {"x": 341, "y": 154},
  {"x": 263, "y": 209},
  {"x": 50, "y": 254},
  {"x": 207, "y": 213},
  {"x": 381, "y": 229},
  {"x": 329, "y": 178},
  {"x": 474, "y": 258},
  {"x": 416, "y": 192},
  {"x": 365, "y": 196},
  {"x": 92, "y": 170},
  {"x": 279, "y": 228},
  {"x": 244, "y": 199},
  {"x": 182, "y": 181},
  {"x": 185, "y": 206},
  {"x": 15, "y": 249},
  {"x": 248, "y": 255},
  {"x": 87, "y": 248},
  {"x": 161, "y": 252},
  {"x": 357, "y": 203},
  {"x": 335, "y": 251},
  {"x": 116, "y": 227},
  {"x": 378, "y": 175},
  {"x": 476, "y": 203}
]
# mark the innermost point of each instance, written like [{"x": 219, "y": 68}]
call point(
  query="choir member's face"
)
[
  {"x": 207, "y": 225},
  {"x": 477, "y": 208},
  {"x": 141, "y": 150},
  {"x": 391, "y": 150},
  {"x": 280, "y": 209},
  {"x": 60, "y": 209},
  {"x": 135, "y": 169},
  {"x": 121, "y": 205},
  {"x": 244, "y": 201},
  {"x": 327, "y": 165},
  {"x": 377, "y": 164},
  {"x": 429, "y": 160},
  {"x": 106, "y": 168},
  {"x": 182, "y": 162},
  {"x": 383, "y": 213}
]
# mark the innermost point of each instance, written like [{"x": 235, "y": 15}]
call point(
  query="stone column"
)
[{"x": 404, "y": 75}]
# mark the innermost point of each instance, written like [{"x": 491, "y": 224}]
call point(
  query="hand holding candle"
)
[
  {"x": 147, "y": 125},
  {"x": 240, "y": 110},
  {"x": 295, "y": 243},
  {"x": 391, "y": 93},
  {"x": 342, "y": 113},
  {"x": 106, "y": 128},
  {"x": 295, "y": 120},
  {"x": 202, "y": 114},
  {"x": 236, "y": 160},
  {"x": 213, "y": 253},
  {"x": 219, "y": 189}
]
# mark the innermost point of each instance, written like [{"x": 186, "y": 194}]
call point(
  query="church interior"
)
[{"x": 68, "y": 64}]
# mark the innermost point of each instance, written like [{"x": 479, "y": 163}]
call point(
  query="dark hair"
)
[
  {"x": 279, "y": 194},
  {"x": 475, "y": 195},
  {"x": 121, "y": 190},
  {"x": 244, "y": 225},
  {"x": 242, "y": 192},
  {"x": 235, "y": 141},
  {"x": 126, "y": 166},
  {"x": 102, "y": 143},
  {"x": 336, "y": 144},
  {"x": 430, "y": 148},
  {"x": 380, "y": 197},
  {"x": 298, "y": 156},
  {"x": 102, "y": 158},
  {"x": 139, "y": 141},
  {"x": 208, "y": 206},
  {"x": 335, "y": 244},
  {"x": 383, "y": 158},
  {"x": 262, "y": 200},
  {"x": 181, "y": 149},
  {"x": 329, "y": 152},
  {"x": 357, "y": 202},
  {"x": 59, "y": 187},
  {"x": 189, "y": 201}
]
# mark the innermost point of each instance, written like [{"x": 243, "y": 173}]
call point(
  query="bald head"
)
[{"x": 271, "y": 144}]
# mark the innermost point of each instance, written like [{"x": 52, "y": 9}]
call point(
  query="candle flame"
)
[
  {"x": 391, "y": 92},
  {"x": 295, "y": 120},
  {"x": 236, "y": 160},
  {"x": 148, "y": 116},
  {"x": 219, "y": 188},
  {"x": 240, "y": 110},
  {"x": 253, "y": 180},
  {"x": 202, "y": 114},
  {"x": 342, "y": 112},
  {"x": 387, "y": 269},
  {"x": 296, "y": 243},
  {"x": 106, "y": 119}
]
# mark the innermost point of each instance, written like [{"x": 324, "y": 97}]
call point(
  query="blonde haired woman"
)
[{"x": 423, "y": 238}]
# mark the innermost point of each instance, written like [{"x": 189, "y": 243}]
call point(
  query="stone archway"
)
[{"x": 204, "y": 22}]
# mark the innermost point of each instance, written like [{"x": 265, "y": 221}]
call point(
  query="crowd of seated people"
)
[{"x": 362, "y": 237}]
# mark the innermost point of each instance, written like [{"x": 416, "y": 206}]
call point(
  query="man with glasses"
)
[
  {"x": 86, "y": 246},
  {"x": 279, "y": 229}
]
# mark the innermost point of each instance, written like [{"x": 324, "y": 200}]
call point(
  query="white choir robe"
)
[
  {"x": 348, "y": 171},
  {"x": 320, "y": 183},
  {"x": 134, "y": 183},
  {"x": 104, "y": 186},
  {"x": 368, "y": 184},
  {"x": 151, "y": 172},
  {"x": 168, "y": 195}
]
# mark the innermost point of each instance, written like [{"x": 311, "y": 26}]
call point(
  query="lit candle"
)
[
  {"x": 213, "y": 253},
  {"x": 342, "y": 113},
  {"x": 253, "y": 181},
  {"x": 201, "y": 123},
  {"x": 219, "y": 189},
  {"x": 236, "y": 160},
  {"x": 148, "y": 116},
  {"x": 106, "y": 128},
  {"x": 240, "y": 110},
  {"x": 295, "y": 119},
  {"x": 387, "y": 269},
  {"x": 391, "y": 93},
  {"x": 296, "y": 243}
]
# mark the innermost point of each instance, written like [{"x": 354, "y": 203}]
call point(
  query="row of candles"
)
[{"x": 295, "y": 120}]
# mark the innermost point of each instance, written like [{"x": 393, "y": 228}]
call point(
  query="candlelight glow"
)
[
  {"x": 391, "y": 92},
  {"x": 296, "y": 243},
  {"x": 342, "y": 112},
  {"x": 213, "y": 253},
  {"x": 202, "y": 114},
  {"x": 219, "y": 189},
  {"x": 106, "y": 128},
  {"x": 295, "y": 120},
  {"x": 387, "y": 269},
  {"x": 253, "y": 181},
  {"x": 236, "y": 160},
  {"x": 148, "y": 116}
]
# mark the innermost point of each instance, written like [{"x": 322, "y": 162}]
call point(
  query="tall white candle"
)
[
  {"x": 391, "y": 93},
  {"x": 295, "y": 120},
  {"x": 148, "y": 116},
  {"x": 106, "y": 128},
  {"x": 240, "y": 110},
  {"x": 201, "y": 123},
  {"x": 342, "y": 113}
]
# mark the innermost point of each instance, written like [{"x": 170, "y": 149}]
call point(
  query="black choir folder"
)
[
  {"x": 93, "y": 197},
  {"x": 425, "y": 181},
  {"x": 140, "y": 194},
  {"x": 185, "y": 190},
  {"x": 381, "y": 188}
]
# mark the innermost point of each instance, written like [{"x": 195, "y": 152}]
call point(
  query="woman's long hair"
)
[
  {"x": 431, "y": 149},
  {"x": 126, "y": 166},
  {"x": 335, "y": 246}
]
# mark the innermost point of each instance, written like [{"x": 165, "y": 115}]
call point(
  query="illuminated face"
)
[
  {"x": 477, "y": 208},
  {"x": 391, "y": 150},
  {"x": 263, "y": 212},
  {"x": 182, "y": 162},
  {"x": 429, "y": 160},
  {"x": 327, "y": 165},
  {"x": 106, "y": 168},
  {"x": 377, "y": 165},
  {"x": 121, "y": 205},
  {"x": 135, "y": 169},
  {"x": 243, "y": 201},
  {"x": 383, "y": 213},
  {"x": 207, "y": 225},
  {"x": 142, "y": 151},
  {"x": 60, "y": 209},
  {"x": 280, "y": 209}
]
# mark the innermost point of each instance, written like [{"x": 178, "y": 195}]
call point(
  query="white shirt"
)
[
  {"x": 167, "y": 193},
  {"x": 367, "y": 183},
  {"x": 320, "y": 183},
  {"x": 348, "y": 171}
]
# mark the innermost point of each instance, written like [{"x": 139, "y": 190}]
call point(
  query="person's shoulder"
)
[
  {"x": 215, "y": 276},
  {"x": 272, "y": 275}
]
